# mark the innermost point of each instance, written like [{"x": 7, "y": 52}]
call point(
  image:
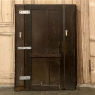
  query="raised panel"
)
[
  {"x": 6, "y": 57},
  {"x": 7, "y": 11}
]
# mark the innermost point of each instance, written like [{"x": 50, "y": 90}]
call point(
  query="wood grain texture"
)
[
  {"x": 85, "y": 39},
  {"x": 50, "y": 1},
  {"x": 19, "y": 1},
  {"x": 68, "y": 1},
  {"x": 74, "y": 1},
  {"x": 27, "y": 1},
  {"x": 40, "y": 67},
  {"x": 92, "y": 48},
  {"x": 0, "y": 10},
  {"x": 92, "y": 24},
  {"x": 79, "y": 44},
  {"x": 92, "y": 70},
  {"x": 92, "y": 38},
  {"x": 7, "y": 16},
  {"x": 54, "y": 39},
  {"x": 6, "y": 61},
  {"x": 19, "y": 54},
  {"x": 28, "y": 42}
]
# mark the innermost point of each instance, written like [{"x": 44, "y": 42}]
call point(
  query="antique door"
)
[{"x": 45, "y": 47}]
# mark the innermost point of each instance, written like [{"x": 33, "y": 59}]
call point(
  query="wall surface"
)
[{"x": 85, "y": 38}]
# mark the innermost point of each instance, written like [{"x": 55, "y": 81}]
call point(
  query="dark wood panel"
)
[
  {"x": 67, "y": 53},
  {"x": 70, "y": 16},
  {"x": 28, "y": 42},
  {"x": 19, "y": 54},
  {"x": 62, "y": 39},
  {"x": 40, "y": 67},
  {"x": 40, "y": 32},
  {"x": 40, "y": 75},
  {"x": 46, "y": 55},
  {"x": 44, "y": 88},
  {"x": 19, "y": 88},
  {"x": 54, "y": 42},
  {"x": 54, "y": 71},
  {"x": 46, "y": 6}
]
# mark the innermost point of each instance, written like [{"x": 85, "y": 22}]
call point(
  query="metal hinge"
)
[
  {"x": 24, "y": 78},
  {"x": 89, "y": 66},
  {"x": 24, "y": 48},
  {"x": 24, "y": 11}
]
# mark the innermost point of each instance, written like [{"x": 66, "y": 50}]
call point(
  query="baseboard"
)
[
  {"x": 6, "y": 85},
  {"x": 79, "y": 85},
  {"x": 86, "y": 85}
]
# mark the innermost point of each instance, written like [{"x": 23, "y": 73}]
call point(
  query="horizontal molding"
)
[
  {"x": 92, "y": 39},
  {"x": 6, "y": 75},
  {"x": 6, "y": 85},
  {"x": 7, "y": 33}
]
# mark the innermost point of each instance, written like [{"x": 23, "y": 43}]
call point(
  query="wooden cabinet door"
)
[{"x": 48, "y": 57}]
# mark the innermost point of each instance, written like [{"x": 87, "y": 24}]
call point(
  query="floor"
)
[{"x": 79, "y": 91}]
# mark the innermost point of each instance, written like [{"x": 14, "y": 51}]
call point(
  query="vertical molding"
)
[
  {"x": 41, "y": 1},
  {"x": 85, "y": 39},
  {"x": 33, "y": 1},
  {"x": 59, "y": 1},
  {"x": 19, "y": 2},
  {"x": 27, "y": 2},
  {"x": 0, "y": 11},
  {"x": 68, "y": 1},
  {"x": 50, "y": 1},
  {"x": 92, "y": 38},
  {"x": 74, "y": 1},
  {"x": 79, "y": 44}
]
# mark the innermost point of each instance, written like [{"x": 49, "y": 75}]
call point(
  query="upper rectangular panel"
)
[{"x": 6, "y": 11}]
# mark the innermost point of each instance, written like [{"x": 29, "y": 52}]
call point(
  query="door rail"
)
[{"x": 45, "y": 55}]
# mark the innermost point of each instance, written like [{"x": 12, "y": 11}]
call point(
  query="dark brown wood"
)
[
  {"x": 46, "y": 55},
  {"x": 19, "y": 54},
  {"x": 62, "y": 39},
  {"x": 70, "y": 16},
  {"x": 53, "y": 43},
  {"x": 73, "y": 57},
  {"x": 46, "y": 6},
  {"x": 44, "y": 88},
  {"x": 28, "y": 42},
  {"x": 40, "y": 46},
  {"x": 40, "y": 74},
  {"x": 19, "y": 88}
]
